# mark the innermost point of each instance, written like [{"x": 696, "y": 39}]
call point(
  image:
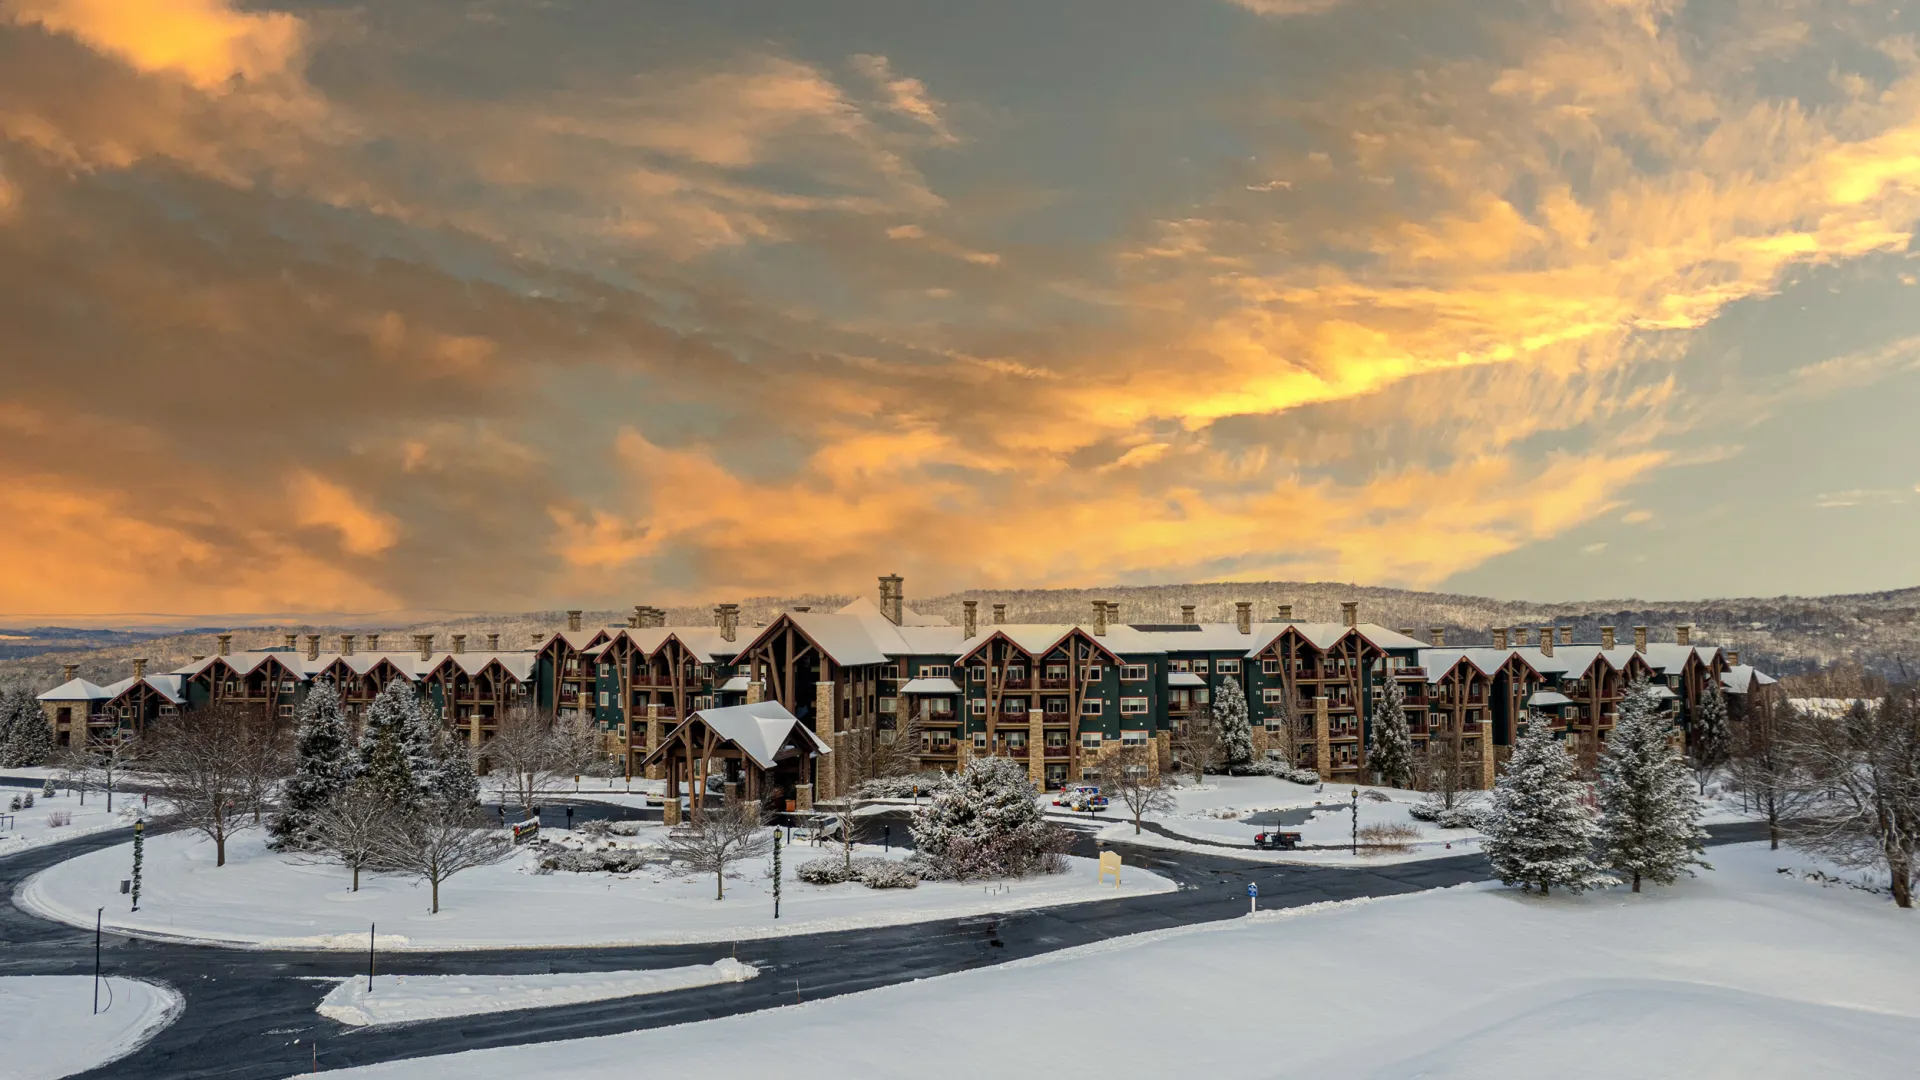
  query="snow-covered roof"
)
[
  {"x": 1184, "y": 678},
  {"x": 167, "y": 686},
  {"x": 1438, "y": 662},
  {"x": 76, "y": 690},
  {"x": 738, "y": 684},
  {"x": 1669, "y": 657},
  {"x": 761, "y": 730},
  {"x": 519, "y": 664},
  {"x": 1742, "y": 678},
  {"x": 930, "y": 686},
  {"x": 1546, "y": 699},
  {"x": 1661, "y": 692}
]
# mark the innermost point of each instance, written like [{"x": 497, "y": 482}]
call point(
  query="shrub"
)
[
  {"x": 58, "y": 818},
  {"x": 1391, "y": 837},
  {"x": 1459, "y": 817},
  {"x": 623, "y": 860},
  {"x": 901, "y": 787},
  {"x": 823, "y": 872},
  {"x": 889, "y": 875},
  {"x": 27, "y": 801},
  {"x": 14, "y": 804},
  {"x": 46, "y": 789},
  {"x": 986, "y": 822},
  {"x": 603, "y": 828},
  {"x": 1372, "y": 795},
  {"x": 1280, "y": 769}
]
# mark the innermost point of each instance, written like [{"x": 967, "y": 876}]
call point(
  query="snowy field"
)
[
  {"x": 34, "y": 826},
  {"x": 67, "y": 1036},
  {"x": 1741, "y": 974},
  {"x": 261, "y": 898},
  {"x": 399, "y": 999}
]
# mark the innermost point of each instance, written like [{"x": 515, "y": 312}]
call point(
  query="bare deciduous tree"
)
[
  {"x": 1860, "y": 773},
  {"x": 1448, "y": 772},
  {"x": 1200, "y": 744},
  {"x": 348, "y": 828},
  {"x": 724, "y": 835},
  {"x": 535, "y": 755},
  {"x": 1137, "y": 784},
  {"x": 206, "y": 768},
  {"x": 435, "y": 842},
  {"x": 1761, "y": 764}
]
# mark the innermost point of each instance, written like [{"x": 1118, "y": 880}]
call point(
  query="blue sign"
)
[{"x": 1253, "y": 889}]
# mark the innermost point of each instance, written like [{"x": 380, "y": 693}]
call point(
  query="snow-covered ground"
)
[
  {"x": 1742, "y": 973},
  {"x": 261, "y": 898},
  {"x": 34, "y": 826},
  {"x": 67, "y": 1035},
  {"x": 398, "y": 999}
]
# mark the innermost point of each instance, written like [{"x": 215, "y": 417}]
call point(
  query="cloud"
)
[
  {"x": 206, "y": 42},
  {"x": 320, "y": 502},
  {"x": 904, "y": 95}
]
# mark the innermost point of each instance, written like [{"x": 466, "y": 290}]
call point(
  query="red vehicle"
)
[{"x": 1274, "y": 840}]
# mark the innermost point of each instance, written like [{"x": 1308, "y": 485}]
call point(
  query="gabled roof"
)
[
  {"x": 1742, "y": 678},
  {"x": 76, "y": 690},
  {"x": 1039, "y": 639},
  {"x": 761, "y": 730},
  {"x": 1543, "y": 699},
  {"x": 930, "y": 686},
  {"x": 167, "y": 686},
  {"x": 1438, "y": 662},
  {"x": 1667, "y": 657}
]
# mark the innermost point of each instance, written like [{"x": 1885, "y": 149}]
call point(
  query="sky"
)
[{"x": 507, "y": 304}]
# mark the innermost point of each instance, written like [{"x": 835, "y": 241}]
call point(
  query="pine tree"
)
[
  {"x": 1649, "y": 819},
  {"x": 985, "y": 821},
  {"x": 392, "y": 753},
  {"x": 454, "y": 784},
  {"x": 25, "y": 736},
  {"x": 1236, "y": 730},
  {"x": 323, "y": 766},
  {"x": 1390, "y": 751},
  {"x": 1538, "y": 833},
  {"x": 1711, "y": 740}
]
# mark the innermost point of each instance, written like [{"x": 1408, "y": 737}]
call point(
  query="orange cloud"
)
[
  {"x": 319, "y": 502},
  {"x": 207, "y": 42}
]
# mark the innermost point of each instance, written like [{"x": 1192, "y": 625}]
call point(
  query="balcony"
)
[
  {"x": 1059, "y": 751},
  {"x": 1062, "y": 683},
  {"x": 1016, "y": 684}
]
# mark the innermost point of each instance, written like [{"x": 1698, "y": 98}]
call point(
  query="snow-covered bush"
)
[
  {"x": 14, "y": 803},
  {"x": 1375, "y": 796},
  {"x": 889, "y": 875},
  {"x": 823, "y": 871},
  {"x": 986, "y": 822},
  {"x": 46, "y": 789},
  {"x": 1280, "y": 769},
  {"x": 620, "y": 860},
  {"x": 603, "y": 828},
  {"x": 59, "y": 818},
  {"x": 1457, "y": 817},
  {"x": 900, "y": 787},
  {"x": 27, "y": 801}
]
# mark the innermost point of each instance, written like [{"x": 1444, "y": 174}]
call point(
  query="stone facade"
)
[
  {"x": 827, "y": 769},
  {"x": 657, "y": 770}
]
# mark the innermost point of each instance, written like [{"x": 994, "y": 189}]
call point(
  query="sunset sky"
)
[{"x": 503, "y": 304}]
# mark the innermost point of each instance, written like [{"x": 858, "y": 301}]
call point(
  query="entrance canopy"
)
[{"x": 763, "y": 732}]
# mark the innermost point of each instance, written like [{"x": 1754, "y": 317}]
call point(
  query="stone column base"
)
[
  {"x": 670, "y": 811},
  {"x": 803, "y": 798}
]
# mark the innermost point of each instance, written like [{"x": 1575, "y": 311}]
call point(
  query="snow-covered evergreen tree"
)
[
  {"x": 1711, "y": 739},
  {"x": 26, "y": 738},
  {"x": 985, "y": 821},
  {"x": 1390, "y": 747},
  {"x": 395, "y": 752},
  {"x": 454, "y": 783},
  {"x": 324, "y": 765},
  {"x": 1236, "y": 729},
  {"x": 1649, "y": 819},
  {"x": 1538, "y": 833}
]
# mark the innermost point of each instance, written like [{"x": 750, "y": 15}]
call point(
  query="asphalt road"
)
[{"x": 250, "y": 1015}]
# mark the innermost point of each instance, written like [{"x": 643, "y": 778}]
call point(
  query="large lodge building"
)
[{"x": 1060, "y": 697}]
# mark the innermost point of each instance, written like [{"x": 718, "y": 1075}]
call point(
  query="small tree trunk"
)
[
  {"x": 1543, "y": 889},
  {"x": 1773, "y": 830},
  {"x": 356, "y": 877},
  {"x": 1636, "y": 881},
  {"x": 436, "y": 897},
  {"x": 220, "y": 849},
  {"x": 720, "y": 884}
]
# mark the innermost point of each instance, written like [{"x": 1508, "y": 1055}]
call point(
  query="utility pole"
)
[{"x": 370, "y": 927}]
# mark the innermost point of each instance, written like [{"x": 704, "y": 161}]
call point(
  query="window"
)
[
  {"x": 940, "y": 706},
  {"x": 1276, "y": 755},
  {"x": 1093, "y": 672},
  {"x": 891, "y": 671},
  {"x": 1202, "y": 696},
  {"x": 979, "y": 706},
  {"x": 286, "y": 686},
  {"x": 887, "y": 705},
  {"x": 1228, "y": 667},
  {"x": 285, "y": 711},
  {"x": 1014, "y": 705},
  {"x": 942, "y": 739},
  {"x": 977, "y": 673},
  {"x": 1133, "y": 738},
  {"x": 1199, "y": 667},
  {"x": 1016, "y": 740},
  {"x": 1133, "y": 673},
  {"x": 169, "y": 710},
  {"x": 1272, "y": 695},
  {"x": 1089, "y": 740},
  {"x": 1134, "y": 706},
  {"x": 1136, "y": 770},
  {"x": 936, "y": 671},
  {"x": 605, "y": 670},
  {"x": 1056, "y": 739},
  {"x": 1269, "y": 666},
  {"x": 1056, "y": 706},
  {"x": 1091, "y": 707},
  {"x": 1177, "y": 665},
  {"x": 1056, "y": 671},
  {"x": 980, "y": 740},
  {"x": 1016, "y": 672}
]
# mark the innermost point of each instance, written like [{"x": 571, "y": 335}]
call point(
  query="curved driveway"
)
[{"x": 250, "y": 1015}]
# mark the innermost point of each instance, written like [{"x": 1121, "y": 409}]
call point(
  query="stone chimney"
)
[
  {"x": 1113, "y": 613},
  {"x": 1546, "y": 641},
  {"x": 424, "y": 642},
  {"x": 1606, "y": 637},
  {"x": 373, "y": 642},
  {"x": 1406, "y": 631},
  {"x": 633, "y": 620},
  {"x": 70, "y": 672},
  {"x": 539, "y": 639},
  {"x": 459, "y": 644},
  {"x": 801, "y": 609},
  {"x": 293, "y": 641},
  {"x": 1350, "y": 612},
  {"x": 1639, "y": 639},
  {"x": 1439, "y": 634},
  {"x": 1187, "y": 617},
  {"x": 1733, "y": 657},
  {"x": 226, "y": 644},
  {"x": 1683, "y": 634},
  {"x": 1099, "y": 618},
  {"x": 313, "y": 646},
  {"x": 1499, "y": 637},
  {"x": 346, "y": 644},
  {"x": 1566, "y": 635},
  {"x": 1286, "y": 612},
  {"x": 573, "y": 620},
  {"x": 729, "y": 621},
  {"x": 493, "y": 642},
  {"x": 969, "y": 618},
  {"x": 999, "y": 614},
  {"x": 139, "y": 667},
  {"x": 893, "y": 598},
  {"x": 1243, "y": 616}
]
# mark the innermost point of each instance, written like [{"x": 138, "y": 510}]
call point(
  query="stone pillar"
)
[
  {"x": 1162, "y": 753},
  {"x": 756, "y": 692},
  {"x": 1486, "y": 757},
  {"x": 1322, "y": 737},
  {"x": 657, "y": 770},
  {"x": 826, "y": 771},
  {"x": 1037, "y": 748},
  {"x": 670, "y": 811},
  {"x": 473, "y": 729},
  {"x": 803, "y": 798}
]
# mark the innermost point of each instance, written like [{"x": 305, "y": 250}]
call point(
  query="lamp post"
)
[
  {"x": 1356, "y": 819},
  {"x": 98, "y": 915},
  {"x": 139, "y": 852},
  {"x": 776, "y": 873}
]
